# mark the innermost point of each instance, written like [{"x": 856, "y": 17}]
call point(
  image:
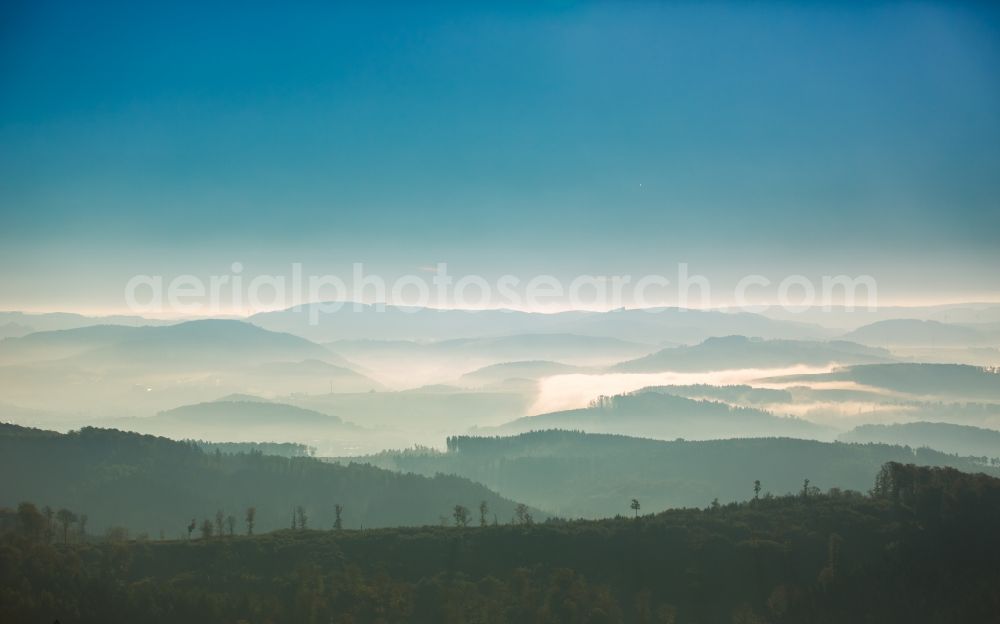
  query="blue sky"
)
[{"x": 528, "y": 138}]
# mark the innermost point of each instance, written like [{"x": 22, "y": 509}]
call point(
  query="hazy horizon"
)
[{"x": 526, "y": 140}]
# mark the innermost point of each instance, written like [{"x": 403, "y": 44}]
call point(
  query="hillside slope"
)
[
  {"x": 655, "y": 414},
  {"x": 589, "y": 475},
  {"x": 151, "y": 484},
  {"x": 922, "y": 550}
]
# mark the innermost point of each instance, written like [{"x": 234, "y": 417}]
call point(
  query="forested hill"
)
[
  {"x": 662, "y": 415},
  {"x": 147, "y": 483},
  {"x": 575, "y": 474},
  {"x": 922, "y": 549}
]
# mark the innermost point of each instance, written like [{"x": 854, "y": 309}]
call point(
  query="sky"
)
[{"x": 555, "y": 138}]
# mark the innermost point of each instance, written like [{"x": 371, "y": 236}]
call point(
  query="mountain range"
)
[{"x": 733, "y": 352}]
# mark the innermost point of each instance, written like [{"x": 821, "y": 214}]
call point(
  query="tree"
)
[
  {"x": 231, "y": 524},
  {"x": 338, "y": 523},
  {"x": 82, "y": 523},
  {"x": 30, "y": 521},
  {"x": 756, "y": 489},
  {"x": 483, "y": 510},
  {"x": 805, "y": 488},
  {"x": 191, "y": 527},
  {"x": 635, "y": 506},
  {"x": 521, "y": 512},
  {"x": 207, "y": 529},
  {"x": 300, "y": 513},
  {"x": 461, "y": 516},
  {"x": 220, "y": 519},
  {"x": 65, "y": 518},
  {"x": 251, "y": 516},
  {"x": 48, "y": 513}
]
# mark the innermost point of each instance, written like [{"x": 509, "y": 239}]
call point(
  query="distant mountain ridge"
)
[
  {"x": 959, "y": 381},
  {"x": 140, "y": 370},
  {"x": 947, "y": 437},
  {"x": 655, "y": 325},
  {"x": 14, "y": 330},
  {"x": 525, "y": 370},
  {"x": 49, "y": 321},
  {"x": 241, "y": 414},
  {"x": 916, "y": 333},
  {"x": 215, "y": 340},
  {"x": 743, "y": 352}
]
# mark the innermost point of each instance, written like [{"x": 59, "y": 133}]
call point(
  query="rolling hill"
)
[
  {"x": 916, "y": 333},
  {"x": 654, "y": 414},
  {"x": 593, "y": 475},
  {"x": 733, "y": 352},
  {"x": 206, "y": 342},
  {"x": 136, "y": 371},
  {"x": 528, "y": 370},
  {"x": 957, "y": 381},
  {"x": 947, "y": 437},
  {"x": 405, "y": 364},
  {"x": 237, "y": 415},
  {"x": 150, "y": 484}
]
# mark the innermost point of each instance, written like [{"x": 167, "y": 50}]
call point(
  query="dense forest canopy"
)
[
  {"x": 150, "y": 484},
  {"x": 922, "y": 548},
  {"x": 576, "y": 474}
]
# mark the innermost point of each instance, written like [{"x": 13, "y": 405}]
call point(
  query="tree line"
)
[{"x": 920, "y": 546}]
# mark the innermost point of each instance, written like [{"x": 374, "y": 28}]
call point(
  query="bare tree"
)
[
  {"x": 207, "y": 529},
  {"x": 231, "y": 524},
  {"x": 251, "y": 516},
  {"x": 220, "y": 519},
  {"x": 300, "y": 513},
  {"x": 483, "y": 510},
  {"x": 82, "y": 523},
  {"x": 461, "y": 516},
  {"x": 338, "y": 522}
]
